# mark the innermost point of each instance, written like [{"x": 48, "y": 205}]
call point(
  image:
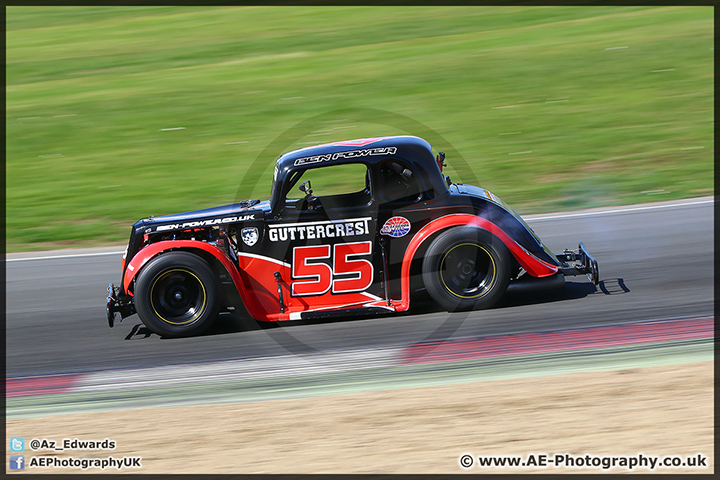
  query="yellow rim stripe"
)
[
  {"x": 492, "y": 280},
  {"x": 197, "y": 314}
]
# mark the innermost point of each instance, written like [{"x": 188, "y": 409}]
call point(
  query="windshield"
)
[{"x": 274, "y": 186}]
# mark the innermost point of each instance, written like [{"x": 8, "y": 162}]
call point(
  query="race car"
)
[{"x": 351, "y": 228}]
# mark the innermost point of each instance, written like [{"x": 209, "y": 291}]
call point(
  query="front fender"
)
[
  {"x": 256, "y": 308},
  {"x": 152, "y": 250}
]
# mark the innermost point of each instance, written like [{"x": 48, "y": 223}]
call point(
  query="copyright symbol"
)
[
  {"x": 466, "y": 461},
  {"x": 34, "y": 444}
]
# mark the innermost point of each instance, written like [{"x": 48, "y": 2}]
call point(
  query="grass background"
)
[{"x": 117, "y": 113}]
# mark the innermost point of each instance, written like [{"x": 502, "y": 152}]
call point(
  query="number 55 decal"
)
[{"x": 348, "y": 274}]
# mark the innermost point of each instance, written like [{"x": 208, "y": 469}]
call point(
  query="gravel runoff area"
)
[{"x": 656, "y": 411}]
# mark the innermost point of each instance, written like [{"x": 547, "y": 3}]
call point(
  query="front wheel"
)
[
  {"x": 466, "y": 268},
  {"x": 177, "y": 295}
]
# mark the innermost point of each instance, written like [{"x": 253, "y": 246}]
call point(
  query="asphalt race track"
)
[{"x": 656, "y": 262}]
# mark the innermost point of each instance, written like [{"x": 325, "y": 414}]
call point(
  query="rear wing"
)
[{"x": 584, "y": 264}]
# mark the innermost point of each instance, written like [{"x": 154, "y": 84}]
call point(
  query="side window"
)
[
  {"x": 398, "y": 183},
  {"x": 336, "y": 186}
]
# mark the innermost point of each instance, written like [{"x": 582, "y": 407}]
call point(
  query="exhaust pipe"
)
[{"x": 527, "y": 283}]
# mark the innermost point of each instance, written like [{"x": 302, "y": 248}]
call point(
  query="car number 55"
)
[{"x": 348, "y": 274}]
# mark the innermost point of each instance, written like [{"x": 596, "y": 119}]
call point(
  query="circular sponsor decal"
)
[{"x": 396, "y": 227}]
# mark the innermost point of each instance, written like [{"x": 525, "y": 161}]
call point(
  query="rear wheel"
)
[
  {"x": 177, "y": 294},
  {"x": 466, "y": 268}
]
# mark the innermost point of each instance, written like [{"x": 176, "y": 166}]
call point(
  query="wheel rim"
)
[
  {"x": 178, "y": 297},
  {"x": 468, "y": 271}
]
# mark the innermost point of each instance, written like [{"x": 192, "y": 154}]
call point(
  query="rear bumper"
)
[{"x": 584, "y": 263}]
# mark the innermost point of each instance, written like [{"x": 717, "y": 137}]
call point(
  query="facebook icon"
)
[{"x": 17, "y": 462}]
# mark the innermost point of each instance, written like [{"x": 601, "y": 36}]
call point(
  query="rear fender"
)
[{"x": 533, "y": 265}]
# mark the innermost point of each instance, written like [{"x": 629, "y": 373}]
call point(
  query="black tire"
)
[
  {"x": 177, "y": 294},
  {"x": 466, "y": 268}
]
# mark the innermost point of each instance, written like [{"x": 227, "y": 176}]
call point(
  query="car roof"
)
[
  {"x": 370, "y": 150},
  {"x": 414, "y": 151}
]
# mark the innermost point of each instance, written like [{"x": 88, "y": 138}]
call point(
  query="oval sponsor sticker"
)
[{"x": 396, "y": 227}]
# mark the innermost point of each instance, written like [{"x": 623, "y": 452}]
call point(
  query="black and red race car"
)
[{"x": 352, "y": 227}]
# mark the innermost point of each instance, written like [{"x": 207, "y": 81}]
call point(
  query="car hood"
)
[
  {"x": 233, "y": 209},
  {"x": 247, "y": 210}
]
